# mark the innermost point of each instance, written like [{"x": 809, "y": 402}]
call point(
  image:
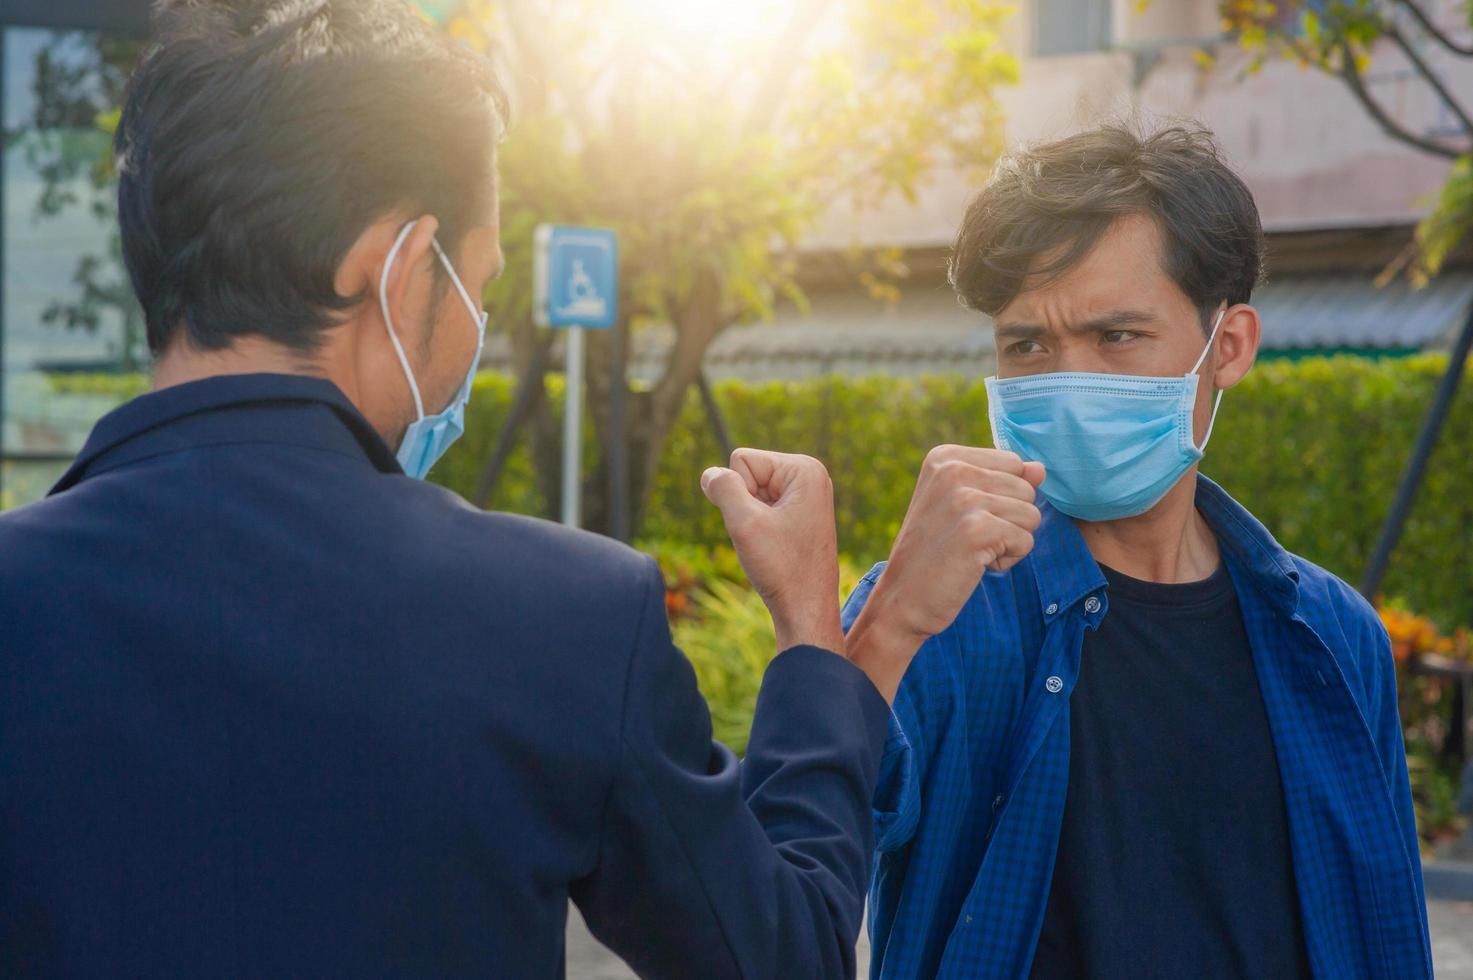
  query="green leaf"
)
[{"x": 1451, "y": 216}]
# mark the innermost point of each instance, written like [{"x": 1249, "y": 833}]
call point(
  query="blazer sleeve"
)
[
  {"x": 897, "y": 799},
  {"x": 713, "y": 868}
]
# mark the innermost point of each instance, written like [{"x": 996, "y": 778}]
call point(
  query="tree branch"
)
[
  {"x": 697, "y": 321},
  {"x": 782, "y": 66},
  {"x": 1432, "y": 79},
  {"x": 526, "y": 41},
  {"x": 1391, "y": 127},
  {"x": 530, "y": 41},
  {"x": 1436, "y": 33}
]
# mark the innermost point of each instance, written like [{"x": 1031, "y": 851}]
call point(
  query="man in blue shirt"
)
[{"x": 1153, "y": 743}]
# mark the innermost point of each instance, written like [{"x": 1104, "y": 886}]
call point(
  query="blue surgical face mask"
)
[
  {"x": 427, "y": 438},
  {"x": 1112, "y": 445}
]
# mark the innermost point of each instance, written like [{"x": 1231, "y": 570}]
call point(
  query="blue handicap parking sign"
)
[{"x": 576, "y": 271}]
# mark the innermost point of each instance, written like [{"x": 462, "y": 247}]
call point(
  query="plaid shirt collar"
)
[{"x": 1066, "y": 573}]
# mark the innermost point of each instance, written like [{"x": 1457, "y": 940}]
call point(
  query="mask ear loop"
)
[
  {"x": 1217, "y": 402},
  {"x": 383, "y": 299},
  {"x": 478, "y": 315}
]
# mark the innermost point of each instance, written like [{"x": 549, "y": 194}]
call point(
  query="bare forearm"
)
[
  {"x": 972, "y": 510},
  {"x": 814, "y": 626},
  {"x": 879, "y": 645}
]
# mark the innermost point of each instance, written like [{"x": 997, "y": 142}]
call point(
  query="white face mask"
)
[{"x": 427, "y": 438}]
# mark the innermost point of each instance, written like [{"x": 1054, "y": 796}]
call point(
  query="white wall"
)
[{"x": 1312, "y": 156}]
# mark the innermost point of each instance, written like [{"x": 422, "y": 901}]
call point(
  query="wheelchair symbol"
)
[{"x": 583, "y": 298}]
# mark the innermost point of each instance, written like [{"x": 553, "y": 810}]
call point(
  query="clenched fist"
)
[
  {"x": 972, "y": 511},
  {"x": 779, "y": 512}
]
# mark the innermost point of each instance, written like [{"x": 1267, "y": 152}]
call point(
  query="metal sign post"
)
[
  {"x": 575, "y": 273},
  {"x": 573, "y": 430}
]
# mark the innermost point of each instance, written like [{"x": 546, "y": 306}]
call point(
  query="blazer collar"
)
[{"x": 149, "y": 413}]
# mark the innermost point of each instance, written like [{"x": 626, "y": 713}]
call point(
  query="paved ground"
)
[
  {"x": 1452, "y": 947},
  {"x": 1452, "y": 939}
]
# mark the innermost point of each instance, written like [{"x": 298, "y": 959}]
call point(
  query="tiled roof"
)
[
  {"x": 929, "y": 332},
  {"x": 1350, "y": 311}
]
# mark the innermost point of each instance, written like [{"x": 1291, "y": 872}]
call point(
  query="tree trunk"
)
[
  {"x": 650, "y": 415},
  {"x": 697, "y": 322},
  {"x": 543, "y": 439}
]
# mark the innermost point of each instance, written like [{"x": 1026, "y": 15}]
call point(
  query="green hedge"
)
[{"x": 1313, "y": 447}]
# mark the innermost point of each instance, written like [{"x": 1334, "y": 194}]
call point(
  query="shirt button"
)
[
  {"x": 1053, "y": 607},
  {"x": 1091, "y": 605},
  {"x": 1054, "y": 685},
  {"x": 997, "y": 802}
]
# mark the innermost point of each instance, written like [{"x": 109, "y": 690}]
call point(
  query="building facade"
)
[
  {"x": 1338, "y": 197},
  {"x": 69, "y": 327}
]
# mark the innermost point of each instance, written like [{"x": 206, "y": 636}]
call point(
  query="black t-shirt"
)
[{"x": 1174, "y": 855}]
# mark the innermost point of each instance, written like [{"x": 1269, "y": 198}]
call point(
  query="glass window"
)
[
  {"x": 70, "y": 331},
  {"x": 1070, "y": 26}
]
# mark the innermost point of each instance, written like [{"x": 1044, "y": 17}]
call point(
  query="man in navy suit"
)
[{"x": 270, "y": 706}]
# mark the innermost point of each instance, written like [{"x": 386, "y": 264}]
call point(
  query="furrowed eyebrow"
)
[
  {"x": 1020, "y": 331},
  {"x": 1114, "y": 320}
]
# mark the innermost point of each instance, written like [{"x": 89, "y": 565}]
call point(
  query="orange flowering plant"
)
[
  {"x": 690, "y": 570},
  {"x": 1414, "y": 636},
  {"x": 1426, "y": 703}
]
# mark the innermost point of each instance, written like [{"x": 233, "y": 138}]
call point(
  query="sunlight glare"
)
[{"x": 715, "y": 20}]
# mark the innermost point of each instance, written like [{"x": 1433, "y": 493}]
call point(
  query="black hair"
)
[
  {"x": 259, "y": 138},
  {"x": 1048, "y": 205}
]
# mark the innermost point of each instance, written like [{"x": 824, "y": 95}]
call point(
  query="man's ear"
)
[
  {"x": 1237, "y": 345},
  {"x": 362, "y": 268},
  {"x": 406, "y": 285}
]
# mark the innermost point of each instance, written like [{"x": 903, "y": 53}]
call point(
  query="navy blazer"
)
[{"x": 268, "y": 707}]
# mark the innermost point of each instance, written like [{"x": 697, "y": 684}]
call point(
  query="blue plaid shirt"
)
[{"x": 973, "y": 781}]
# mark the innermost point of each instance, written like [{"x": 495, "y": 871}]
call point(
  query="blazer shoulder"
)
[
  {"x": 29, "y": 533},
  {"x": 578, "y": 564}
]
